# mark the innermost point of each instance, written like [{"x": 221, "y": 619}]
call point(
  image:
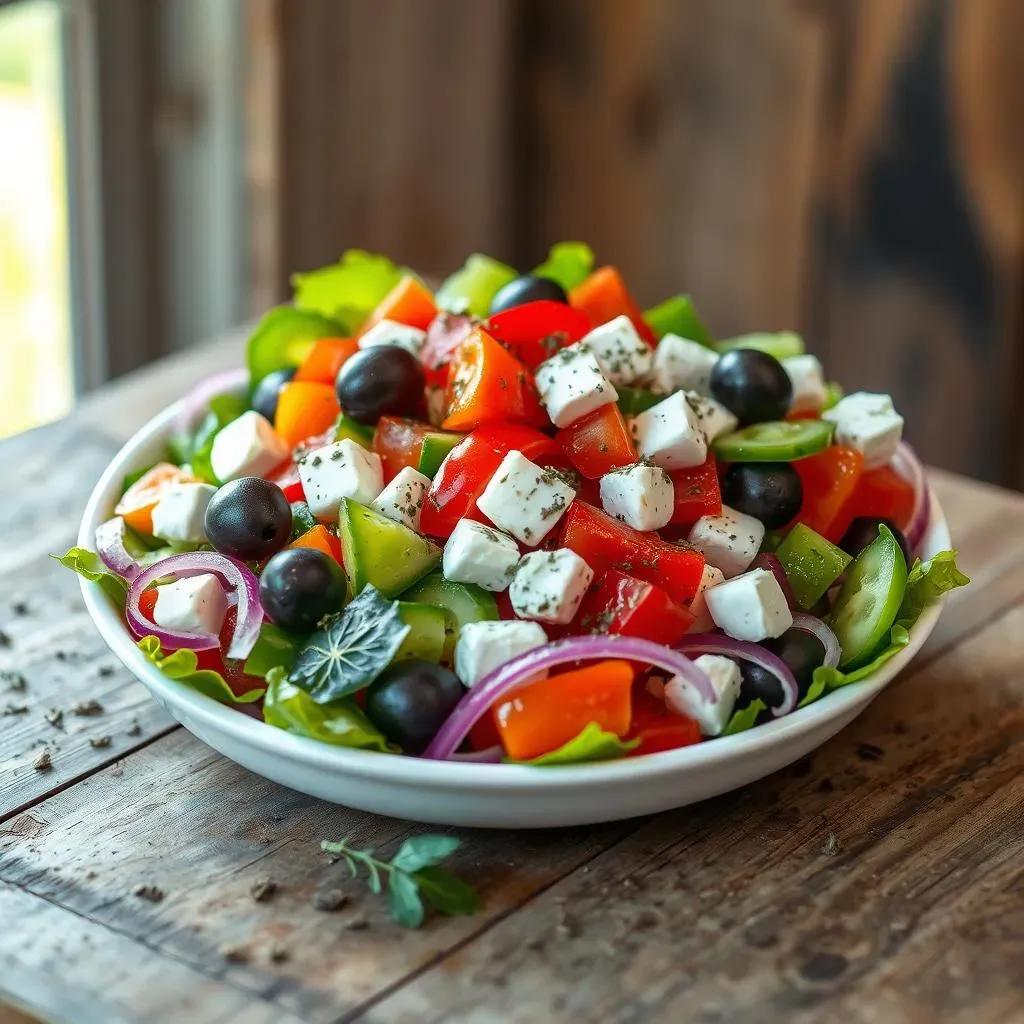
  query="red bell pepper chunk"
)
[
  {"x": 486, "y": 384},
  {"x": 879, "y": 492},
  {"x": 538, "y": 330},
  {"x": 657, "y": 728},
  {"x": 603, "y": 296},
  {"x": 696, "y": 492},
  {"x": 829, "y": 480},
  {"x": 605, "y": 543},
  {"x": 470, "y": 465},
  {"x": 622, "y": 604},
  {"x": 598, "y": 442},
  {"x": 399, "y": 443},
  {"x": 287, "y": 478}
]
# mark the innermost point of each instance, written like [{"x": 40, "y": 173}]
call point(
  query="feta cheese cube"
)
[
  {"x": 479, "y": 554},
  {"x": 670, "y": 434},
  {"x": 702, "y": 621},
  {"x": 685, "y": 699},
  {"x": 640, "y": 496},
  {"x": 571, "y": 384},
  {"x": 713, "y": 417},
  {"x": 388, "y": 332},
  {"x": 484, "y": 646},
  {"x": 549, "y": 585},
  {"x": 728, "y": 541},
  {"x": 195, "y": 604},
  {"x": 402, "y": 499},
  {"x": 868, "y": 423},
  {"x": 525, "y": 500},
  {"x": 750, "y": 607},
  {"x": 180, "y": 514},
  {"x": 343, "y": 469},
  {"x": 247, "y": 446},
  {"x": 808, "y": 379},
  {"x": 681, "y": 365},
  {"x": 624, "y": 357}
]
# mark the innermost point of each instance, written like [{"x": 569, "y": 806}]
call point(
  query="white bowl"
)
[{"x": 484, "y": 795}]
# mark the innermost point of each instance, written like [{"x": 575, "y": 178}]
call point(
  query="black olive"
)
[
  {"x": 264, "y": 398},
  {"x": 527, "y": 289},
  {"x": 864, "y": 529},
  {"x": 769, "y": 491},
  {"x": 801, "y": 651},
  {"x": 752, "y": 385},
  {"x": 381, "y": 381},
  {"x": 410, "y": 701},
  {"x": 249, "y": 518},
  {"x": 299, "y": 586}
]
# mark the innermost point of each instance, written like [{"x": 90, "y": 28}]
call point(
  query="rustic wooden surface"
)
[{"x": 880, "y": 879}]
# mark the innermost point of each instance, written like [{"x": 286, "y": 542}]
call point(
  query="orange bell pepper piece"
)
[
  {"x": 603, "y": 296},
  {"x": 305, "y": 408},
  {"x": 488, "y": 385},
  {"x": 137, "y": 503},
  {"x": 325, "y": 359},
  {"x": 829, "y": 479},
  {"x": 409, "y": 302},
  {"x": 544, "y": 715},
  {"x": 320, "y": 538}
]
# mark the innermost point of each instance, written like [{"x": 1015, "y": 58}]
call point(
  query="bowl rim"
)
[{"x": 335, "y": 760}]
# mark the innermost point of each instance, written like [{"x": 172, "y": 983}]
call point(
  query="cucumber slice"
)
[
  {"x": 427, "y": 636},
  {"x": 870, "y": 600},
  {"x": 346, "y": 427},
  {"x": 378, "y": 551},
  {"x": 461, "y": 602},
  {"x": 633, "y": 401},
  {"x": 812, "y": 564},
  {"x": 779, "y": 441},
  {"x": 302, "y": 520},
  {"x": 436, "y": 447},
  {"x": 781, "y": 344}
]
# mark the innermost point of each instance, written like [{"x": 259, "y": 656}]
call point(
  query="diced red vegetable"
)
[
  {"x": 598, "y": 442},
  {"x": 829, "y": 479},
  {"x": 657, "y": 728},
  {"x": 697, "y": 492},
  {"x": 622, "y": 604},
  {"x": 535, "y": 331},
  {"x": 879, "y": 492},
  {"x": 447, "y": 331},
  {"x": 399, "y": 443},
  {"x": 603, "y": 296}
]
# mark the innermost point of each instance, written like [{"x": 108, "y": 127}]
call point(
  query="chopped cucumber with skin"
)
[
  {"x": 781, "y": 344},
  {"x": 833, "y": 394},
  {"x": 427, "y": 625},
  {"x": 678, "y": 316},
  {"x": 436, "y": 447},
  {"x": 471, "y": 288},
  {"x": 346, "y": 427},
  {"x": 462, "y": 603},
  {"x": 812, "y": 564},
  {"x": 778, "y": 441},
  {"x": 633, "y": 401}
]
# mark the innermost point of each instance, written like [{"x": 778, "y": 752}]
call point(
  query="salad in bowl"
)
[{"x": 518, "y": 519}]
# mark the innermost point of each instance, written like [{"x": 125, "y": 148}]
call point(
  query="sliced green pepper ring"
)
[{"x": 781, "y": 441}]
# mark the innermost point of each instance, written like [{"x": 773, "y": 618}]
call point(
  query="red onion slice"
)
[
  {"x": 526, "y": 667},
  {"x": 111, "y": 548},
  {"x": 771, "y": 562},
  {"x": 198, "y": 399},
  {"x": 490, "y": 755},
  {"x": 237, "y": 577},
  {"x": 713, "y": 643},
  {"x": 907, "y": 464},
  {"x": 814, "y": 625}
]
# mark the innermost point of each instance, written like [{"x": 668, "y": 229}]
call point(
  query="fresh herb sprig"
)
[{"x": 413, "y": 875}]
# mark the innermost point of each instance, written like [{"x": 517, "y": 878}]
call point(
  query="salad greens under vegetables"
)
[{"x": 517, "y": 520}]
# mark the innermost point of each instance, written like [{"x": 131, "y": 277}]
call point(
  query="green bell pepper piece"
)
[
  {"x": 678, "y": 315},
  {"x": 812, "y": 564}
]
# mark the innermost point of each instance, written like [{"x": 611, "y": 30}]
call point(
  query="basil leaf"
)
[
  {"x": 88, "y": 564},
  {"x": 404, "y": 900},
  {"x": 343, "y": 724},
  {"x": 353, "y": 647},
  {"x": 568, "y": 264},
  {"x": 422, "y": 851},
  {"x": 592, "y": 744},
  {"x": 446, "y": 892},
  {"x": 182, "y": 667},
  {"x": 745, "y": 718},
  {"x": 348, "y": 290}
]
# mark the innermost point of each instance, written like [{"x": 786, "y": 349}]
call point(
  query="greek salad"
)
[{"x": 519, "y": 519}]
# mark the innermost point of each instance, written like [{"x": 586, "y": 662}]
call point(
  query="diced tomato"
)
[
  {"x": 325, "y": 359},
  {"x": 657, "y": 728},
  {"x": 409, "y": 302},
  {"x": 447, "y": 331},
  {"x": 879, "y": 492},
  {"x": 137, "y": 503},
  {"x": 147, "y": 602},
  {"x": 603, "y": 296},
  {"x": 535, "y": 331},
  {"x": 605, "y": 543},
  {"x": 399, "y": 443},
  {"x": 321, "y": 539},
  {"x": 305, "y": 408},
  {"x": 622, "y": 604},
  {"x": 488, "y": 385},
  {"x": 544, "y": 715},
  {"x": 598, "y": 442},
  {"x": 287, "y": 478},
  {"x": 829, "y": 479},
  {"x": 484, "y": 734},
  {"x": 470, "y": 465},
  {"x": 697, "y": 492}
]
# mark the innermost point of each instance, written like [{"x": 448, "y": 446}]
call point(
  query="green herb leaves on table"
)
[{"x": 413, "y": 875}]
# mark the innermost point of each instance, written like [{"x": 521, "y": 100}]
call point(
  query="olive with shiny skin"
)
[
  {"x": 268, "y": 391},
  {"x": 527, "y": 288},
  {"x": 752, "y": 385},
  {"x": 864, "y": 529},
  {"x": 769, "y": 491},
  {"x": 410, "y": 701},
  {"x": 801, "y": 651},
  {"x": 299, "y": 586},
  {"x": 381, "y": 381},
  {"x": 248, "y": 518}
]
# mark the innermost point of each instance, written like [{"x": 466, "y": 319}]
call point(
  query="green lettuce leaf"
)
[
  {"x": 678, "y": 316},
  {"x": 745, "y": 718},
  {"x": 284, "y": 337},
  {"x": 342, "y": 724},
  {"x": 347, "y": 291},
  {"x": 568, "y": 263},
  {"x": 592, "y": 744},
  {"x": 182, "y": 667},
  {"x": 274, "y": 648},
  {"x": 471, "y": 288},
  {"x": 88, "y": 564}
]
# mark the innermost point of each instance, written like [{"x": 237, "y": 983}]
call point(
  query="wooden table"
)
[{"x": 881, "y": 879}]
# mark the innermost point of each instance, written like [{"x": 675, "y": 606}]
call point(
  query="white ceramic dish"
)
[{"x": 495, "y": 796}]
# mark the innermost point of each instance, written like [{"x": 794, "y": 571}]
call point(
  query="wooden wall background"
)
[{"x": 850, "y": 168}]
